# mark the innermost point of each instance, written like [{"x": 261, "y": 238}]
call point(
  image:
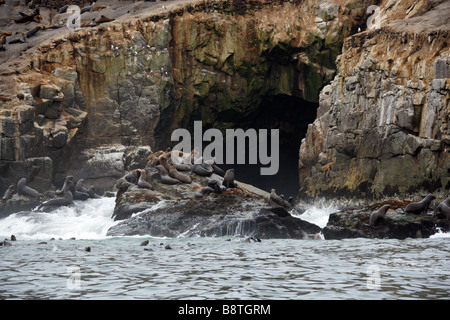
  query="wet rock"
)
[{"x": 397, "y": 225}]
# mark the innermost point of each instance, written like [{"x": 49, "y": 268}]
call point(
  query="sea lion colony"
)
[{"x": 35, "y": 16}]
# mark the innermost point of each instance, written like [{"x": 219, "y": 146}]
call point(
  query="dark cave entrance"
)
[{"x": 291, "y": 115}]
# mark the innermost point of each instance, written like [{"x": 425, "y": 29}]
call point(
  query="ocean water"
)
[{"x": 35, "y": 267}]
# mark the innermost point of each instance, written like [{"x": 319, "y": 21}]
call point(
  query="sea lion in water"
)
[
  {"x": 23, "y": 189},
  {"x": 378, "y": 214},
  {"x": 142, "y": 182},
  {"x": 165, "y": 178},
  {"x": 8, "y": 193},
  {"x": 173, "y": 172},
  {"x": 58, "y": 202},
  {"x": 421, "y": 206},
  {"x": 228, "y": 179}
]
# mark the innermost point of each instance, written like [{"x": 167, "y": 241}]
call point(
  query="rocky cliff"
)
[
  {"x": 382, "y": 127},
  {"x": 86, "y": 101},
  {"x": 93, "y": 102}
]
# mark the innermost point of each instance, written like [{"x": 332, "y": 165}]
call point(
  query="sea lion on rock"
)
[
  {"x": 165, "y": 178},
  {"x": 443, "y": 209},
  {"x": 133, "y": 176},
  {"x": 58, "y": 202},
  {"x": 421, "y": 206},
  {"x": 23, "y": 189},
  {"x": 378, "y": 214},
  {"x": 214, "y": 184},
  {"x": 68, "y": 184},
  {"x": 173, "y": 172},
  {"x": 103, "y": 19},
  {"x": 203, "y": 192},
  {"x": 8, "y": 193},
  {"x": 201, "y": 170},
  {"x": 276, "y": 198},
  {"x": 92, "y": 193},
  {"x": 142, "y": 182},
  {"x": 183, "y": 167},
  {"x": 228, "y": 179},
  {"x": 79, "y": 186}
]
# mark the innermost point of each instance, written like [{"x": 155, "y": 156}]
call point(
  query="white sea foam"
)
[
  {"x": 317, "y": 215},
  {"x": 88, "y": 219}
]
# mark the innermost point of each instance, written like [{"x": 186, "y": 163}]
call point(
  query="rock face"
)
[
  {"x": 133, "y": 81},
  {"x": 382, "y": 126}
]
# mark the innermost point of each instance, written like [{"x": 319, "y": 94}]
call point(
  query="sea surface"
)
[{"x": 36, "y": 267}]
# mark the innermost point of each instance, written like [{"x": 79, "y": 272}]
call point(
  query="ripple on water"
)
[{"x": 212, "y": 268}]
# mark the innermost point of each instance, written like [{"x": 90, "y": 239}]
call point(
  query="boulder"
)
[{"x": 354, "y": 223}]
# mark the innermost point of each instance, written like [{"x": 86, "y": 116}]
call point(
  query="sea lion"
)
[
  {"x": 98, "y": 8},
  {"x": 203, "y": 192},
  {"x": 88, "y": 8},
  {"x": 63, "y": 8},
  {"x": 103, "y": 19},
  {"x": 23, "y": 189},
  {"x": 120, "y": 181},
  {"x": 421, "y": 206},
  {"x": 79, "y": 186},
  {"x": 8, "y": 193},
  {"x": 200, "y": 170},
  {"x": 165, "y": 178},
  {"x": 173, "y": 172},
  {"x": 34, "y": 31},
  {"x": 215, "y": 168},
  {"x": 276, "y": 198},
  {"x": 68, "y": 184},
  {"x": 142, "y": 182},
  {"x": 80, "y": 192},
  {"x": 65, "y": 201},
  {"x": 228, "y": 179},
  {"x": 164, "y": 162},
  {"x": 133, "y": 176},
  {"x": 443, "y": 209},
  {"x": 183, "y": 167},
  {"x": 378, "y": 214},
  {"x": 214, "y": 184},
  {"x": 21, "y": 39},
  {"x": 92, "y": 193}
]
